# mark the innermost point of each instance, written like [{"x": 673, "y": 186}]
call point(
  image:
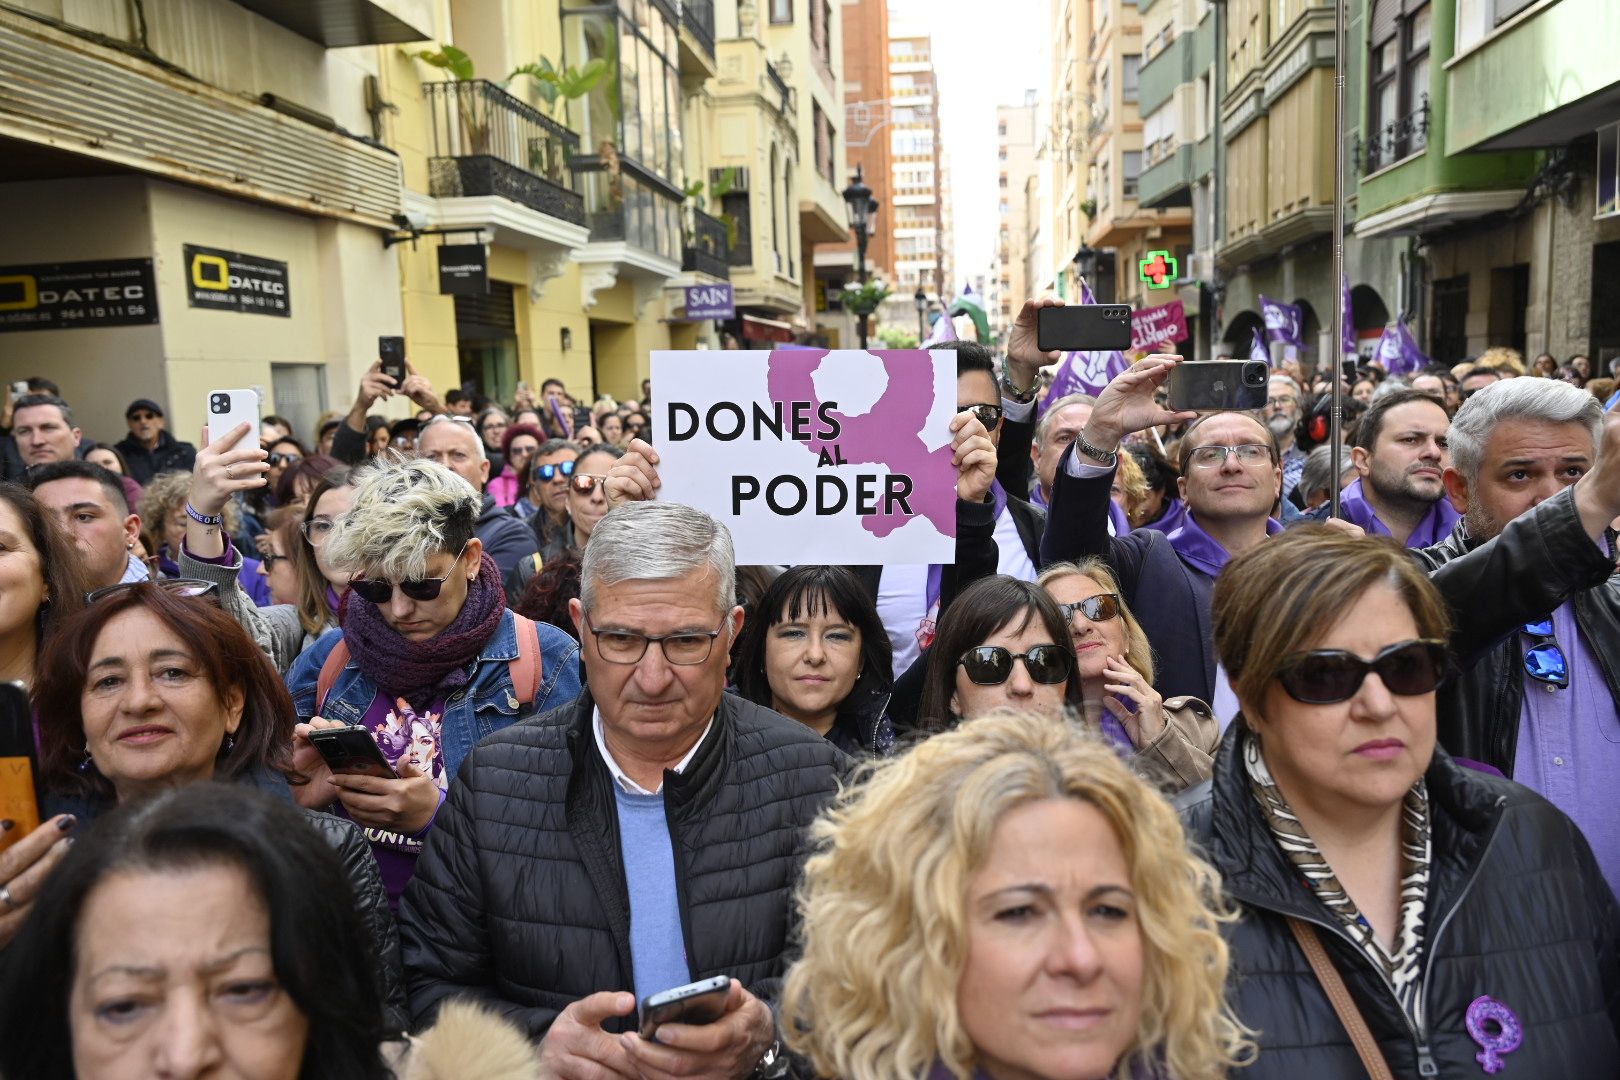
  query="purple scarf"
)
[
  {"x": 1202, "y": 551},
  {"x": 442, "y": 663},
  {"x": 1435, "y": 526}
]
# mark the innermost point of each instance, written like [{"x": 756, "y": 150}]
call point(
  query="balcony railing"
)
[
  {"x": 1159, "y": 42},
  {"x": 698, "y": 17},
  {"x": 487, "y": 142},
  {"x": 781, "y": 88},
  {"x": 1158, "y": 150},
  {"x": 707, "y": 249},
  {"x": 1398, "y": 139}
]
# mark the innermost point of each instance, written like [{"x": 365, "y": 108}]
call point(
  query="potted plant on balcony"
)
[{"x": 865, "y": 299}]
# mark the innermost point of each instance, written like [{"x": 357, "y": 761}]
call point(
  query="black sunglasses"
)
[
  {"x": 549, "y": 472},
  {"x": 1099, "y": 608},
  {"x": 284, "y": 459},
  {"x": 1328, "y": 676},
  {"x": 991, "y": 665},
  {"x": 988, "y": 415},
  {"x": 380, "y": 591}
]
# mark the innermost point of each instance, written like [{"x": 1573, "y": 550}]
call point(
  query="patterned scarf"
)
[{"x": 1403, "y": 970}]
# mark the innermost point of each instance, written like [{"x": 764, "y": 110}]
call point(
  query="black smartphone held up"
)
[
  {"x": 19, "y": 766},
  {"x": 391, "y": 351},
  {"x": 1212, "y": 385},
  {"x": 701, "y": 1002},
  {"x": 352, "y": 750},
  {"x": 1084, "y": 328}
]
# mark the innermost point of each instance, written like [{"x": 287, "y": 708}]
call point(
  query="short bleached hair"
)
[
  {"x": 405, "y": 512},
  {"x": 884, "y": 905}
]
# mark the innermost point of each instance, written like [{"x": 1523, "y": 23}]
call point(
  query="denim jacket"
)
[{"x": 487, "y": 704}]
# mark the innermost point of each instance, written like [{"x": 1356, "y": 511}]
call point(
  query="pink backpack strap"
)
[
  {"x": 336, "y": 660},
  {"x": 527, "y": 668}
]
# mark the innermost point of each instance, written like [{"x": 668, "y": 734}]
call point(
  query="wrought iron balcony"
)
[
  {"x": 707, "y": 249},
  {"x": 1398, "y": 139},
  {"x": 782, "y": 89},
  {"x": 698, "y": 17},
  {"x": 487, "y": 142}
]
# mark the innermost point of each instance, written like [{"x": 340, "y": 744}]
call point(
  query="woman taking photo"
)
[
  {"x": 1169, "y": 743},
  {"x": 816, "y": 652},
  {"x": 1465, "y": 914},
  {"x": 163, "y": 510},
  {"x": 427, "y": 658},
  {"x": 1007, "y": 901}
]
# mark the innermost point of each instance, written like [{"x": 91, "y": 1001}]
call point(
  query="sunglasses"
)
[
  {"x": 1544, "y": 660},
  {"x": 550, "y": 472},
  {"x": 284, "y": 459},
  {"x": 585, "y": 482},
  {"x": 186, "y": 587},
  {"x": 992, "y": 665},
  {"x": 988, "y": 415},
  {"x": 380, "y": 591},
  {"x": 143, "y": 416},
  {"x": 1328, "y": 676},
  {"x": 1099, "y": 608}
]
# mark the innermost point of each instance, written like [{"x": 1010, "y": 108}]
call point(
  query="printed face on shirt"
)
[
  {"x": 1523, "y": 463},
  {"x": 1366, "y": 752},
  {"x": 1409, "y": 457},
  {"x": 979, "y": 388},
  {"x": 193, "y": 994},
  {"x": 1053, "y": 970},
  {"x": 1231, "y": 491}
]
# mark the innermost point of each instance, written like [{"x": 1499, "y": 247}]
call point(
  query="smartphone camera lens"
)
[
  {"x": 1255, "y": 375},
  {"x": 217, "y": 403}
]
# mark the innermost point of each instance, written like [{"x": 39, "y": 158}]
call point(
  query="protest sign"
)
[
  {"x": 813, "y": 455},
  {"x": 1155, "y": 326}
]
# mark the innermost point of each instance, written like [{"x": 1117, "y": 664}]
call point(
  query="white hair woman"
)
[{"x": 425, "y": 652}]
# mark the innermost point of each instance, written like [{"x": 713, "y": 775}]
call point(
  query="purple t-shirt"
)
[{"x": 403, "y": 733}]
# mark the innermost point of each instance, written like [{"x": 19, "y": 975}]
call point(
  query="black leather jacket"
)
[
  {"x": 1517, "y": 910},
  {"x": 1539, "y": 560}
]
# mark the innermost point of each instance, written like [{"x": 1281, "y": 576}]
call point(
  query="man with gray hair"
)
[
  {"x": 646, "y": 836},
  {"x": 1540, "y": 705}
]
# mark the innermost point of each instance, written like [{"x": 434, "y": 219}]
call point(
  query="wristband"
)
[
  {"x": 201, "y": 518},
  {"x": 1013, "y": 394},
  {"x": 1107, "y": 457}
]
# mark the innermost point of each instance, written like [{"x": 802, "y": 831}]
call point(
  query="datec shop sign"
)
[
  {"x": 232, "y": 281},
  {"x": 78, "y": 295}
]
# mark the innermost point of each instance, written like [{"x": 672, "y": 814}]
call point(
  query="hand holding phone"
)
[
  {"x": 391, "y": 352},
  {"x": 701, "y": 1002},
  {"x": 352, "y": 750},
  {"x": 1213, "y": 385},
  {"x": 1083, "y": 328},
  {"x": 19, "y": 798},
  {"x": 228, "y": 408}
]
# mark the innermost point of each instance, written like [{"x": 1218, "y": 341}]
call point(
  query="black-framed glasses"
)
[
  {"x": 191, "y": 588},
  {"x": 268, "y": 559},
  {"x": 550, "y": 472},
  {"x": 685, "y": 648},
  {"x": 988, "y": 415},
  {"x": 992, "y": 665},
  {"x": 1213, "y": 457},
  {"x": 380, "y": 590},
  {"x": 1099, "y": 608},
  {"x": 1544, "y": 660},
  {"x": 585, "y": 482},
  {"x": 1328, "y": 676}
]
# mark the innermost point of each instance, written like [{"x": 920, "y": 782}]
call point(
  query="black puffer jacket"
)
[
  {"x": 1518, "y": 910},
  {"x": 520, "y": 899}
]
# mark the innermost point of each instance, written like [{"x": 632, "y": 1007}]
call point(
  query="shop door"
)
[
  {"x": 1450, "y": 344},
  {"x": 487, "y": 344}
]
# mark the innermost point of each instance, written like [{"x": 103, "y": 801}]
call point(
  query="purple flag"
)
[
  {"x": 1084, "y": 372},
  {"x": 1284, "y": 322},
  {"x": 1348, "y": 345},
  {"x": 1398, "y": 351},
  {"x": 1258, "y": 350},
  {"x": 944, "y": 330}
]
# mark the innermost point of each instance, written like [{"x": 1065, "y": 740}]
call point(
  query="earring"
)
[
  {"x": 88, "y": 765},
  {"x": 228, "y": 745}
]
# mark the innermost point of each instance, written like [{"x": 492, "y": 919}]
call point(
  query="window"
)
[
  {"x": 1130, "y": 168},
  {"x": 1128, "y": 72},
  {"x": 1104, "y": 187},
  {"x": 1608, "y": 173},
  {"x": 1398, "y": 105},
  {"x": 1105, "y": 99},
  {"x": 781, "y": 11}
]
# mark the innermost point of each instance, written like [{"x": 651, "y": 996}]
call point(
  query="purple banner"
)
[
  {"x": 1154, "y": 326},
  {"x": 1084, "y": 372},
  {"x": 710, "y": 302},
  {"x": 1398, "y": 351},
  {"x": 1284, "y": 322},
  {"x": 1348, "y": 345}
]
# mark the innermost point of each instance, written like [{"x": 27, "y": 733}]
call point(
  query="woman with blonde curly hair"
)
[
  {"x": 1007, "y": 900},
  {"x": 163, "y": 510}
]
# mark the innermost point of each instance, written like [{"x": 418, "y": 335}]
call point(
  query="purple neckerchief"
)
[
  {"x": 1174, "y": 516},
  {"x": 1435, "y": 526},
  {"x": 1037, "y": 495},
  {"x": 1202, "y": 550},
  {"x": 1118, "y": 518},
  {"x": 1115, "y": 732},
  {"x": 333, "y": 600},
  {"x": 936, "y": 571}
]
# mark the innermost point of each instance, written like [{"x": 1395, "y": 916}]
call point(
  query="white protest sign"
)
[{"x": 813, "y": 455}]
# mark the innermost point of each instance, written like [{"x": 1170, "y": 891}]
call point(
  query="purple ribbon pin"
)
[{"x": 1506, "y": 1039}]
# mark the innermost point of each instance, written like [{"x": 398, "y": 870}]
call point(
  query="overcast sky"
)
[{"x": 986, "y": 53}]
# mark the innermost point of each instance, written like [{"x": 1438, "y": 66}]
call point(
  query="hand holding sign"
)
[
  {"x": 634, "y": 477},
  {"x": 974, "y": 456}
]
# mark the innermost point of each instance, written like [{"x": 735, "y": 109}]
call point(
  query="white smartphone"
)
[{"x": 228, "y": 408}]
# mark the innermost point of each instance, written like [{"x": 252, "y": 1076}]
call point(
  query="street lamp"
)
[
  {"x": 920, "y": 299},
  {"x": 862, "y": 209}
]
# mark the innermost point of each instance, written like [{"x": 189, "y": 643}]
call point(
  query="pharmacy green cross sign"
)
[{"x": 1158, "y": 270}]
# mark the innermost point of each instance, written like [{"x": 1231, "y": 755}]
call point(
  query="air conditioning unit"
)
[{"x": 739, "y": 177}]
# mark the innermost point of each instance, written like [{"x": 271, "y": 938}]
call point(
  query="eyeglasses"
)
[
  {"x": 585, "y": 482},
  {"x": 268, "y": 559},
  {"x": 686, "y": 648},
  {"x": 144, "y": 416},
  {"x": 988, "y": 415},
  {"x": 1213, "y": 457},
  {"x": 992, "y": 665},
  {"x": 317, "y": 530},
  {"x": 1274, "y": 402},
  {"x": 284, "y": 459},
  {"x": 186, "y": 587},
  {"x": 520, "y": 451},
  {"x": 550, "y": 472},
  {"x": 1099, "y": 608},
  {"x": 380, "y": 591},
  {"x": 1327, "y": 676},
  {"x": 1544, "y": 660}
]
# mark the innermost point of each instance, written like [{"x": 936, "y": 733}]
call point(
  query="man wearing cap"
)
[{"x": 150, "y": 449}]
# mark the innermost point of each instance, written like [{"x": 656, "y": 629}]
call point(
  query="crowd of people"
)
[{"x": 436, "y": 746}]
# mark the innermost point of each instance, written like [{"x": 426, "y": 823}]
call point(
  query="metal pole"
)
[
  {"x": 1336, "y": 381},
  {"x": 860, "y": 265}
]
